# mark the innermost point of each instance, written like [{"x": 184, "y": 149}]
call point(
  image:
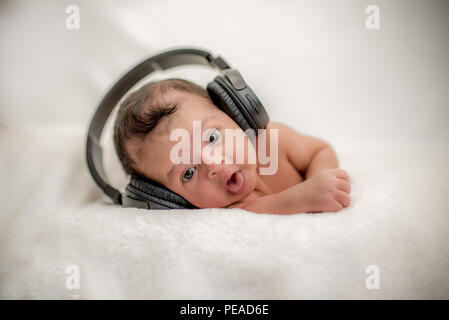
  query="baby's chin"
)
[{"x": 225, "y": 200}]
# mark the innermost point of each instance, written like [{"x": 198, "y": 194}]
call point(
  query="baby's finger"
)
[
  {"x": 344, "y": 185},
  {"x": 342, "y": 174},
  {"x": 336, "y": 206},
  {"x": 343, "y": 198}
]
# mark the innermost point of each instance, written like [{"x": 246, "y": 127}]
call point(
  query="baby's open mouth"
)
[{"x": 236, "y": 182}]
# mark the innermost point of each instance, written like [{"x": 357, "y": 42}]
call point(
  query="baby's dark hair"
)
[{"x": 142, "y": 110}]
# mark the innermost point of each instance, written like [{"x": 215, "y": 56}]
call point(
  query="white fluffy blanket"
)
[
  {"x": 379, "y": 97},
  {"x": 53, "y": 216}
]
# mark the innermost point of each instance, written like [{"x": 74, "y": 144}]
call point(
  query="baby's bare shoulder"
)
[
  {"x": 289, "y": 137},
  {"x": 278, "y": 125},
  {"x": 299, "y": 148},
  {"x": 282, "y": 128},
  {"x": 286, "y": 135}
]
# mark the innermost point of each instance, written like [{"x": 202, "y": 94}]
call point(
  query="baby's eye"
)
[
  {"x": 214, "y": 136},
  {"x": 188, "y": 174}
]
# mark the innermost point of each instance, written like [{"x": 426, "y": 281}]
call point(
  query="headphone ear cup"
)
[
  {"x": 155, "y": 194},
  {"x": 223, "y": 101}
]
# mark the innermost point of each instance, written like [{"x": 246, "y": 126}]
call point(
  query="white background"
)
[{"x": 313, "y": 64}]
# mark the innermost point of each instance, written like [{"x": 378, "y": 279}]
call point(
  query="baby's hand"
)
[{"x": 328, "y": 190}]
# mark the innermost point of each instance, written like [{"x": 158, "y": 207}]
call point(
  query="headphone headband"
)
[{"x": 166, "y": 60}]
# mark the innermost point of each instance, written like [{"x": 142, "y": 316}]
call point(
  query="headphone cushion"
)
[
  {"x": 150, "y": 190},
  {"x": 223, "y": 101}
]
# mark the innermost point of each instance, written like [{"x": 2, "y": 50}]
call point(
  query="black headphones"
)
[{"x": 228, "y": 91}]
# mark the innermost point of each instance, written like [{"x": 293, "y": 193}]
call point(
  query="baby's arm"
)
[
  {"x": 327, "y": 190},
  {"x": 309, "y": 155},
  {"x": 291, "y": 200},
  {"x": 322, "y": 159}
]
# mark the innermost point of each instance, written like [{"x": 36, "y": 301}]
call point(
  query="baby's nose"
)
[
  {"x": 213, "y": 164},
  {"x": 213, "y": 169}
]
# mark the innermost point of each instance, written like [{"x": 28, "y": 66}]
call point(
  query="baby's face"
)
[{"x": 210, "y": 183}]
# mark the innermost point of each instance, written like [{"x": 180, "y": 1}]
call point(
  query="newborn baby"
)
[{"x": 306, "y": 177}]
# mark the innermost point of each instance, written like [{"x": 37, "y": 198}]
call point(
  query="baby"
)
[{"x": 306, "y": 179}]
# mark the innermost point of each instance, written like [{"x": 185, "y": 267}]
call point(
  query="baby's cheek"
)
[
  {"x": 210, "y": 197},
  {"x": 249, "y": 152}
]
